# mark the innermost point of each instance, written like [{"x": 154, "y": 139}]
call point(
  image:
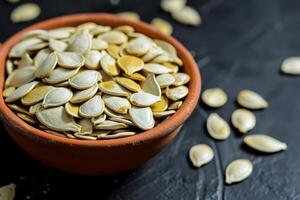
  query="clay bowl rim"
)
[{"x": 157, "y": 132}]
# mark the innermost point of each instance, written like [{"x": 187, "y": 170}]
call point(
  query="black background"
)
[{"x": 240, "y": 45}]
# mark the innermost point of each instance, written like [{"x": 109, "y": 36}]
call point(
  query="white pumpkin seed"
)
[
  {"x": 200, "y": 155},
  {"x": 214, "y": 97},
  {"x": 99, "y": 44},
  {"x": 99, "y": 29},
  {"x": 19, "y": 49},
  {"x": 21, "y": 76},
  {"x": 27, "y": 118},
  {"x": 83, "y": 95},
  {"x": 152, "y": 53},
  {"x": 143, "y": 99},
  {"x": 150, "y": 85},
  {"x": 187, "y": 15},
  {"x": 181, "y": 79},
  {"x": 37, "y": 33},
  {"x": 177, "y": 93},
  {"x": 97, "y": 120},
  {"x": 251, "y": 100},
  {"x": 41, "y": 56},
  {"x": 92, "y": 59},
  {"x": 21, "y": 91},
  {"x": 125, "y": 29},
  {"x": 34, "y": 108},
  {"x": 117, "y": 135},
  {"x": 176, "y": 105},
  {"x": 114, "y": 37},
  {"x": 291, "y": 66},
  {"x": 37, "y": 47},
  {"x": 84, "y": 137},
  {"x": 112, "y": 114},
  {"x": 110, "y": 125},
  {"x": 57, "y": 97},
  {"x": 86, "y": 126},
  {"x": 264, "y": 143},
  {"x": 112, "y": 88},
  {"x": 108, "y": 64},
  {"x": 9, "y": 66},
  {"x": 25, "y": 12},
  {"x": 47, "y": 66},
  {"x": 217, "y": 127},
  {"x": 60, "y": 33},
  {"x": 19, "y": 108},
  {"x": 243, "y": 120},
  {"x": 57, "y": 119},
  {"x": 7, "y": 91},
  {"x": 84, "y": 79},
  {"x": 172, "y": 5},
  {"x": 7, "y": 192},
  {"x": 122, "y": 120},
  {"x": 162, "y": 25},
  {"x": 70, "y": 60},
  {"x": 92, "y": 108},
  {"x": 142, "y": 117},
  {"x": 156, "y": 68},
  {"x": 36, "y": 95},
  {"x": 82, "y": 42},
  {"x": 57, "y": 45},
  {"x": 165, "y": 80},
  {"x": 116, "y": 104},
  {"x": 72, "y": 109},
  {"x": 25, "y": 61},
  {"x": 59, "y": 75},
  {"x": 238, "y": 170},
  {"x": 139, "y": 46}
]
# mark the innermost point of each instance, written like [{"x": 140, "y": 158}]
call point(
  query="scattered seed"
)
[
  {"x": 264, "y": 143},
  {"x": 200, "y": 154},
  {"x": 243, "y": 120},
  {"x": 214, "y": 97},
  {"x": 217, "y": 127},
  {"x": 25, "y": 12},
  {"x": 238, "y": 170},
  {"x": 251, "y": 100}
]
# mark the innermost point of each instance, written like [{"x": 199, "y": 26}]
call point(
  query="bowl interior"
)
[{"x": 160, "y": 130}]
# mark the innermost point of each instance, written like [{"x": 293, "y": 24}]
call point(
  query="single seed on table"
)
[
  {"x": 7, "y": 192},
  {"x": 214, "y": 97},
  {"x": 21, "y": 76},
  {"x": 251, "y": 100},
  {"x": 25, "y": 12},
  {"x": 163, "y": 114},
  {"x": 200, "y": 154},
  {"x": 41, "y": 56},
  {"x": 291, "y": 66},
  {"x": 70, "y": 60},
  {"x": 238, "y": 170},
  {"x": 116, "y": 104},
  {"x": 7, "y": 91},
  {"x": 114, "y": 50},
  {"x": 108, "y": 65},
  {"x": 36, "y": 94},
  {"x": 142, "y": 117},
  {"x": 72, "y": 109},
  {"x": 150, "y": 85},
  {"x": 162, "y": 25},
  {"x": 97, "y": 120},
  {"x": 19, "y": 108},
  {"x": 92, "y": 108},
  {"x": 143, "y": 99},
  {"x": 92, "y": 59},
  {"x": 99, "y": 44},
  {"x": 57, "y": 45},
  {"x": 156, "y": 68},
  {"x": 243, "y": 120},
  {"x": 188, "y": 16},
  {"x": 27, "y": 118},
  {"x": 130, "y": 15},
  {"x": 87, "y": 126},
  {"x": 112, "y": 88},
  {"x": 83, "y": 95},
  {"x": 84, "y": 79},
  {"x": 176, "y": 93},
  {"x": 139, "y": 46},
  {"x": 165, "y": 80},
  {"x": 181, "y": 79},
  {"x": 175, "y": 105},
  {"x": 161, "y": 105},
  {"x": 217, "y": 127},
  {"x": 130, "y": 64},
  {"x": 47, "y": 66},
  {"x": 57, "y": 119},
  {"x": 19, "y": 49},
  {"x": 264, "y": 143},
  {"x": 128, "y": 84},
  {"x": 114, "y": 37},
  {"x": 57, "y": 97},
  {"x": 110, "y": 125},
  {"x": 82, "y": 42},
  {"x": 172, "y": 5},
  {"x": 21, "y": 92}
]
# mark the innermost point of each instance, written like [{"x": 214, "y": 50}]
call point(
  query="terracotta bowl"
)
[{"x": 106, "y": 156}]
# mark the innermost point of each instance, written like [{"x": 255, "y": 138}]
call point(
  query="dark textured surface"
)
[{"x": 239, "y": 45}]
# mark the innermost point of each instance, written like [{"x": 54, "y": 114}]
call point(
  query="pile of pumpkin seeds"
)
[
  {"x": 94, "y": 82},
  {"x": 243, "y": 120}
]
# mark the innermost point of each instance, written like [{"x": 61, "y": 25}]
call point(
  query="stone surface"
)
[{"x": 240, "y": 45}]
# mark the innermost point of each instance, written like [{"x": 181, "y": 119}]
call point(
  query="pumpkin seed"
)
[
  {"x": 112, "y": 88},
  {"x": 70, "y": 60},
  {"x": 59, "y": 75},
  {"x": 139, "y": 46},
  {"x": 244, "y": 120},
  {"x": 99, "y": 44},
  {"x": 82, "y": 42},
  {"x": 264, "y": 143},
  {"x": 47, "y": 66},
  {"x": 7, "y": 192},
  {"x": 142, "y": 117},
  {"x": 161, "y": 105},
  {"x": 21, "y": 76},
  {"x": 143, "y": 99},
  {"x": 25, "y": 12},
  {"x": 117, "y": 104},
  {"x": 181, "y": 79},
  {"x": 34, "y": 108},
  {"x": 62, "y": 84},
  {"x": 7, "y": 91},
  {"x": 87, "y": 126},
  {"x": 130, "y": 15},
  {"x": 92, "y": 108},
  {"x": 172, "y": 67},
  {"x": 110, "y": 125},
  {"x": 21, "y": 92},
  {"x": 36, "y": 94},
  {"x": 27, "y": 118},
  {"x": 41, "y": 56},
  {"x": 99, "y": 29},
  {"x": 251, "y": 100},
  {"x": 84, "y": 79},
  {"x": 200, "y": 155},
  {"x": 291, "y": 66},
  {"x": 163, "y": 114},
  {"x": 37, "y": 47},
  {"x": 57, "y": 45},
  {"x": 60, "y": 33},
  {"x": 19, "y": 49},
  {"x": 112, "y": 114},
  {"x": 19, "y": 108},
  {"x": 128, "y": 84},
  {"x": 9, "y": 67},
  {"x": 37, "y": 33},
  {"x": 97, "y": 120},
  {"x": 214, "y": 97},
  {"x": 114, "y": 51},
  {"x": 152, "y": 53},
  {"x": 156, "y": 68},
  {"x": 25, "y": 61},
  {"x": 57, "y": 119},
  {"x": 86, "y": 26},
  {"x": 118, "y": 135},
  {"x": 83, "y": 95},
  {"x": 72, "y": 109},
  {"x": 130, "y": 64},
  {"x": 84, "y": 137},
  {"x": 122, "y": 120},
  {"x": 172, "y": 5},
  {"x": 57, "y": 97},
  {"x": 162, "y": 25},
  {"x": 175, "y": 105},
  {"x": 170, "y": 50},
  {"x": 238, "y": 170},
  {"x": 114, "y": 37},
  {"x": 109, "y": 65},
  {"x": 165, "y": 80},
  {"x": 125, "y": 29},
  {"x": 187, "y": 15},
  {"x": 92, "y": 59},
  {"x": 177, "y": 93},
  {"x": 135, "y": 76},
  {"x": 217, "y": 127},
  {"x": 150, "y": 85}
]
